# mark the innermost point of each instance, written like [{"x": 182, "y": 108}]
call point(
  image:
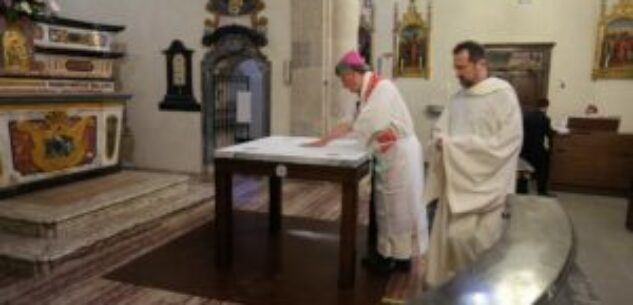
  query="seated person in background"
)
[
  {"x": 537, "y": 127},
  {"x": 591, "y": 122},
  {"x": 591, "y": 110}
]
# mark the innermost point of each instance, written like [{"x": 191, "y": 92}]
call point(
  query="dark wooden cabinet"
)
[
  {"x": 524, "y": 65},
  {"x": 592, "y": 162}
]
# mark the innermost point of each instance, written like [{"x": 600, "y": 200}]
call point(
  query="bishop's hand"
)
[{"x": 318, "y": 143}]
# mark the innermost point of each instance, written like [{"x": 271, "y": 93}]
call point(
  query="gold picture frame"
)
[
  {"x": 411, "y": 43},
  {"x": 16, "y": 44},
  {"x": 614, "y": 47}
]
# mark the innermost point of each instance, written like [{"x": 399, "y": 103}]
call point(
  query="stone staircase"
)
[{"x": 45, "y": 230}]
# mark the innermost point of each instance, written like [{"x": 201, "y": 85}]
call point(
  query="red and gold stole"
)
[
  {"x": 388, "y": 136},
  {"x": 374, "y": 79}
]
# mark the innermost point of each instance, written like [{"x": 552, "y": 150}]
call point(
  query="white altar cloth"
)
[{"x": 341, "y": 152}]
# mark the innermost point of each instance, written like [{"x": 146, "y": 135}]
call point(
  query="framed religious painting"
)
[
  {"x": 411, "y": 40},
  {"x": 614, "y": 48}
]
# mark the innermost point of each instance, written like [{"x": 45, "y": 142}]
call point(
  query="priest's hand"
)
[
  {"x": 437, "y": 138},
  {"x": 438, "y": 144}
]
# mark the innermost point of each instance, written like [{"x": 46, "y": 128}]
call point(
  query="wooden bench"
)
[{"x": 597, "y": 163}]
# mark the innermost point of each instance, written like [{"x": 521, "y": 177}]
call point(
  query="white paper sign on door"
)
[{"x": 243, "y": 106}]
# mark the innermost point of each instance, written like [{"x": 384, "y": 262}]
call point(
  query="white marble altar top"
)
[{"x": 342, "y": 152}]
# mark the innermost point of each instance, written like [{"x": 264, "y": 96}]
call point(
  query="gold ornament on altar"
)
[
  {"x": 58, "y": 141},
  {"x": 15, "y": 50},
  {"x": 220, "y": 9},
  {"x": 235, "y": 6}
]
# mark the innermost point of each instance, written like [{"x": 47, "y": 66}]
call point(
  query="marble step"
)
[
  {"x": 70, "y": 208},
  {"x": 42, "y": 255}
]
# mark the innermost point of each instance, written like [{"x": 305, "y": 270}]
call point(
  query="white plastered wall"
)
[
  {"x": 171, "y": 140},
  {"x": 570, "y": 24}
]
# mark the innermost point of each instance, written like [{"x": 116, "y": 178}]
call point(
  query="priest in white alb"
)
[{"x": 472, "y": 165}]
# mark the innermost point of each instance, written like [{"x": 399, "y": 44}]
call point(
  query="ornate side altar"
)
[{"x": 60, "y": 111}]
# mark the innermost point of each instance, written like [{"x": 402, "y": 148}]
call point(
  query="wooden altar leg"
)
[
  {"x": 275, "y": 195},
  {"x": 629, "y": 218},
  {"x": 223, "y": 217},
  {"x": 347, "y": 246},
  {"x": 372, "y": 229}
]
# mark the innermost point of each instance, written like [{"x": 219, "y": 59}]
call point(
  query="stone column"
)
[
  {"x": 344, "y": 24},
  {"x": 307, "y": 27},
  {"x": 321, "y": 32}
]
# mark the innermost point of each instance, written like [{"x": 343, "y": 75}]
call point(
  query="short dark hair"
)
[
  {"x": 342, "y": 68},
  {"x": 542, "y": 102},
  {"x": 476, "y": 51}
]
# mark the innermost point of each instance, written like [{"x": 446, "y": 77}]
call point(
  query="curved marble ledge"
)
[{"x": 526, "y": 266}]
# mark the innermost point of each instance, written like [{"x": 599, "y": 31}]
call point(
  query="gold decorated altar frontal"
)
[{"x": 44, "y": 141}]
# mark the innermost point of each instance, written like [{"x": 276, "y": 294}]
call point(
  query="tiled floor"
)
[{"x": 605, "y": 247}]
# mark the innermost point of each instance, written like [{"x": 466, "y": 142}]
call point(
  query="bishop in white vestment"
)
[{"x": 384, "y": 125}]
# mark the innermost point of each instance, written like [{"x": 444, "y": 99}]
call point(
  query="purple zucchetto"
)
[{"x": 351, "y": 61}]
